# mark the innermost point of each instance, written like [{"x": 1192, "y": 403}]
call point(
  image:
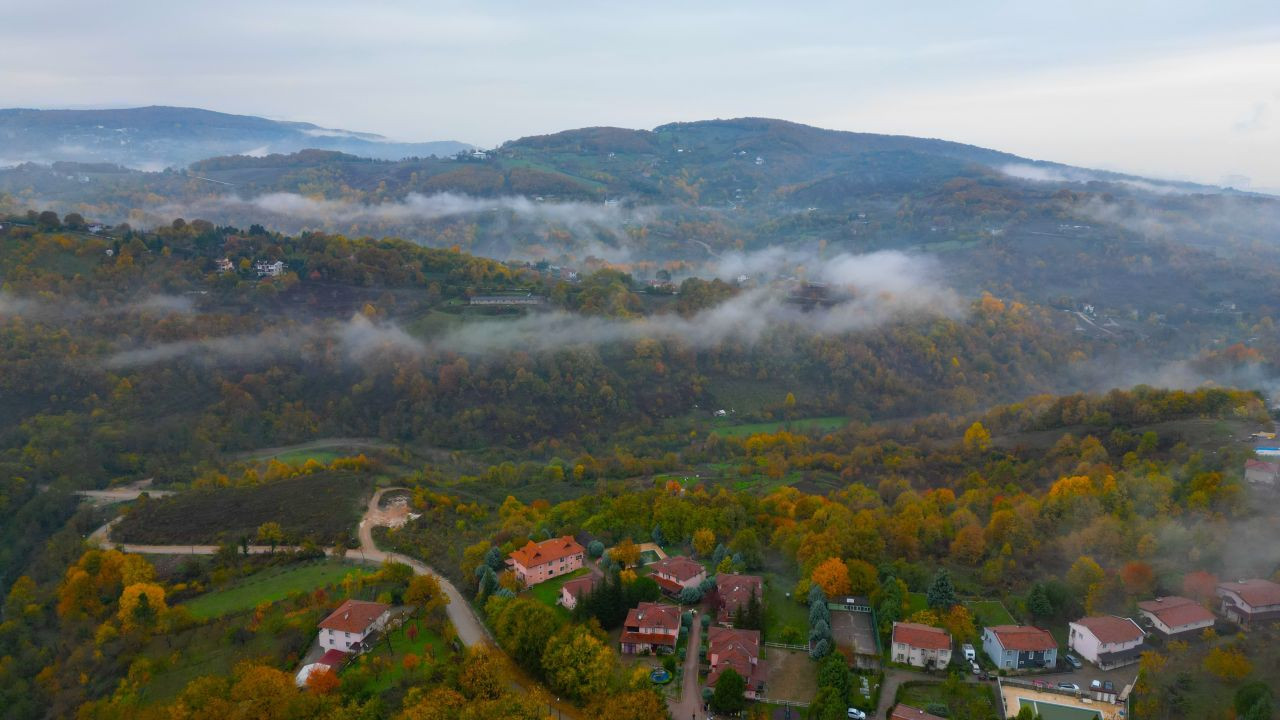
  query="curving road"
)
[{"x": 470, "y": 630}]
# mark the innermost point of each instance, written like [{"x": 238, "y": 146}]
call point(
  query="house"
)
[
  {"x": 225, "y": 265},
  {"x": 1019, "y": 647},
  {"x": 1249, "y": 600},
  {"x": 906, "y": 712},
  {"x": 650, "y": 627},
  {"x": 576, "y": 588},
  {"x": 1176, "y": 615},
  {"x": 740, "y": 650},
  {"x": 735, "y": 591},
  {"x": 347, "y": 628},
  {"x": 674, "y": 574},
  {"x": 1107, "y": 641},
  {"x": 921, "y": 645},
  {"x": 1261, "y": 472},
  {"x": 268, "y": 269},
  {"x": 538, "y": 562}
]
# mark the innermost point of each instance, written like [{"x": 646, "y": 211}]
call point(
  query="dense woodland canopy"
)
[{"x": 958, "y": 445}]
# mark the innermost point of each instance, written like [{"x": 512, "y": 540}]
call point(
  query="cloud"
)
[
  {"x": 13, "y": 305},
  {"x": 867, "y": 291},
  {"x": 1039, "y": 173}
]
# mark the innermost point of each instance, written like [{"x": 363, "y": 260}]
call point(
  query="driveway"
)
[{"x": 690, "y": 703}]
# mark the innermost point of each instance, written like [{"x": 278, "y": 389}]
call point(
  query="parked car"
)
[
  {"x": 1069, "y": 686},
  {"x": 976, "y": 670},
  {"x": 1108, "y": 686},
  {"x": 1073, "y": 661},
  {"x": 1095, "y": 685},
  {"x": 856, "y": 714}
]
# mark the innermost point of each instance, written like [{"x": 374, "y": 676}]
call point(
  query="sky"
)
[{"x": 1178, "y": 89}]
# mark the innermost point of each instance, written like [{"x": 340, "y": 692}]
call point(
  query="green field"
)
[
  {"x": 300, "y": 457},
  {"x": 916, "y": 602},
  {"x": 989, "y": 612},
  {"x": 1053, "y": 711},
  {"x": 548, "y": 592},
  {"x": 822, "y": 424},
  {"x": 964, "y": 700},
  {"x": 428, "y": 644},
  {"x": 781, "y": 611},
  {"x": 269, "y": 586}
]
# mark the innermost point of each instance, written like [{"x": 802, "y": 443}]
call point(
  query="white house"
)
[
  {"x": 348, "y": 626},
  {"x": 1176, "y": 615},
  {"x": 921, "y": 645},
  {"x": 576, "y": 588},
  {"x": 1019, "y": 647},
  {"x": 1249, "y": 600},
  {"x": 269, "y": 269},
  {"x": 1107, "y": 641},
  {"x": 225, "y": 265}
]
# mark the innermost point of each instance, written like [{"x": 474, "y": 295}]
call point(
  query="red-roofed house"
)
[
  {"x": 1261, "y": 472},
  {"x": 1019, "y": 647},
  {"x": 674, "y": 574},
  {"x": 576, "y": 588},
  {"x": 1176, "y": 615},
  {"x": 650, "y": 627},
  {"x": 538, "y": 562},
  {"x": 733, "y": 592},
  {"x": 921, "y": 645},
  {"x": 1107, "y": 641},
  {"x": 740, "y": 650},
  {"x": 1249, "y": 600},
  {"x": 348, "y": 626}
]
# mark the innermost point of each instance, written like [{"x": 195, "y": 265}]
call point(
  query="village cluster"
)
[{"x": 1013, "y": 654}]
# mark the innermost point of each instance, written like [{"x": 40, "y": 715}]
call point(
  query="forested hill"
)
[{"x": 158, "y": 137}]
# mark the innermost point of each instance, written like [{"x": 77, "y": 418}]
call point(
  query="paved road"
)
[
  {"x": 470, "y": 630},
  {"x": 690, "y": 703}
]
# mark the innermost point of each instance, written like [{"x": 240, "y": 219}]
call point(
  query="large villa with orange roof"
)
[{"x": 539, "y": 562}]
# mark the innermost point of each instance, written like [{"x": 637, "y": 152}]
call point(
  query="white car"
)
[{"x": 856, "y": 714}]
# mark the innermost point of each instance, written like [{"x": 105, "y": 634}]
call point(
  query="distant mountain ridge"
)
[{"x": 157, "y": 137}]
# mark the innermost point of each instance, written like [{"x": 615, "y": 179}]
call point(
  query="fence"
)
[
  {"x": 785, "y": 646},
  {"x": 785, "y": 703}
]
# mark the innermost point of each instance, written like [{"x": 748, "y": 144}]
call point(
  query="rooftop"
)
[
  {"x": 1256, "y": 592},
  {"x": 654, "y": 615},
  {"x": 921, "y": 636},
  {"x": 534, "y": 554},
  {"x": 354, "y": 616},
  {"x": 906, "y": 712},
  {"x": 1176, "y": 611},
  {"x": 1023, "y": 638},
  {"x": 1112, "y": 629},
  {"x": 679, "y": 567}
]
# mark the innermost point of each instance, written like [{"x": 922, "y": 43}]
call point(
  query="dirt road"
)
[{"x": 470, "y": 630}]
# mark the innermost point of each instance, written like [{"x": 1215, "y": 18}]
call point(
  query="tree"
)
[
  {"x": 941, "y": 594},
  {"x": 493, "y": 558},
  {"x": 141, "y": 604},
  {"x": 1038, "y": 601},
  {"x": 595, "y": 548},
  {"x": 1248, "y": 696},
  {"x": 969, "y": 545},
  {"x": 1083, "y": 575},
  {"x": 828, "y": 704},
  {"x": 832, "y": 575},
  {"x": 482, "y": 676},
  {"x": 578, "y": 663},
  {"x": 1138, "y": 578},
  {"x": 746, "y": 545},
  {"x": 1228, "y": 664},
  {"x": 959, "y": 622},
  {"x": 1201, "y": 586},
  {"x": 690, "y": 595},
  {"x": 639, "y": 704},
  {"x": 424, "y": 591},
  {"x": 271, "y": 534},
  {"x": 833, "y": 672},
  {"x": 323, "y": 681},
  {"x": 703, "y": 542},
  {"x": 658, "y": 538},
  {"x": 626, "y": 553},
  {"x": 522, "y": 627},
  {"x": 729, "y": 693},
  {"x": 977, "y": 439},
  {"x": 435, "y": 704}
]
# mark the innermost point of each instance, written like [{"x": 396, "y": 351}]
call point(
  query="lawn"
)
[
  {"x": 823, "y": 424},
  {"x": 964, "y": 700},
  {"x": 989, "y": 612},
  {"x": 300, "y": 457},
  {"x": 781, "y": 611},
  {"x": 269, "y": 586},
  {"x": 428, "y": 646},
  {"x": 548, "y": 592},
  {"x": 916, "y": 602}
]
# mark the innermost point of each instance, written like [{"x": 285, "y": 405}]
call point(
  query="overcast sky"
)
[{"x": 1182, "y": 89}]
